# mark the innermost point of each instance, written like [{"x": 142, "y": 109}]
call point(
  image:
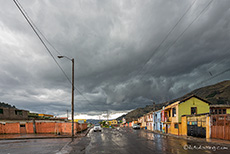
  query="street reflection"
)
[{"x": 128, "y": 140}]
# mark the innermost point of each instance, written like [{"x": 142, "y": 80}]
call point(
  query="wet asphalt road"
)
[
  {"x": 33, "y": 146},
  {"x": 129, "y": 141}
]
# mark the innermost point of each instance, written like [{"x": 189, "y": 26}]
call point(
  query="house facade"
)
[
  {"x": 149, "y": 120},
  {"x": 171, "y": 115},
  {"x": 219, "y": 109},
  {"x": 157, "y": 124},
  {"x": 114, "y": 122},
  {"x": 13, "y": 114},
  {"x": 142, "y": 121}
]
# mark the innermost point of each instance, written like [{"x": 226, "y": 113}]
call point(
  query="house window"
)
[
  {"x": 22, "y": 125},
  {"x": 17, "y": 112},
  {"x": 215, "y": 111},
  {"x": 169, "y": 113},
  {"x": 212, "y": 111},
  {"x": 176, "y": 126},
  {"x": 224, "y": 111},
  {"x": 220, "y": 111},
  {"x": 174, "y": 112},
  {"x": 193, "y": 110},
  {"x": 1, "y": 111}
]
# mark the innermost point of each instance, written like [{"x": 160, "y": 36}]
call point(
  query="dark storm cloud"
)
[{"x": 111, "y": 42}]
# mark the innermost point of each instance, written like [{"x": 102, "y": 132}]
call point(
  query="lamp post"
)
[{"x": 72, "y": 103}]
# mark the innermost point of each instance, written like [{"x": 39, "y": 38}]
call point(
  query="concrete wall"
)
[{"x": 9, "y": 114}]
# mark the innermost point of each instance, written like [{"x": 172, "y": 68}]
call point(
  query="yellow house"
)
[
  {"x": 171, "y": 116},
  {"x": 46, "y": 116},
  {"x": 114, "y": 122},
  {"x": 80, "y": 121}
]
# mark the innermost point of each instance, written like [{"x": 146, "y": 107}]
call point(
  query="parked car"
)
[
  {"x": 97, "y": 127},
  {"x": 136, "y": 126}
]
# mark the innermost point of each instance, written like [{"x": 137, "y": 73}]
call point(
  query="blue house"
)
[{"x": 157, "y": 124}]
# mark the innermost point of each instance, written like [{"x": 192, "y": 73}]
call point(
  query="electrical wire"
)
[
  {"x": 35, "y": 29},
  {"x": 214, "y": 76},
  {"x": 204, "y": 9},
  {"x": 165, "y": 38}
]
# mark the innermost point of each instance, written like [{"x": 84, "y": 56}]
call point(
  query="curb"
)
[
  {"x": 192, "y": 138},
  {"x": 67, "y": 148},
  {"x": 26, "y": 138},
  {"x": 88, "y": 131},
  {"x": 45, "y": 137}
]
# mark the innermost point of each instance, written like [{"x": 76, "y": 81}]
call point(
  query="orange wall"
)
[
  {"x": 173, "y": 130},
  {"x": 29, "y": 128},
  {"x": 208, "y": 127},
  {"x": 81, "y": 127},
  {"x": 184, "y": 125},
  {"x": 2, "y": 129},
  {"x": 12, "y": 128},
  {"x": 42, "y": 128},
  {"x": 45, "y": 127}
]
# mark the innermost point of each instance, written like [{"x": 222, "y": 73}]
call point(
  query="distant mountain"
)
[
  {"x": 93, "y": 121},
  {"x": 216, "y": 94},
  {"x": 2, "y": 104}
]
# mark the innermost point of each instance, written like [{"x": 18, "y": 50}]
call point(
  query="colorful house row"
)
[{"x": 191, "y": 116}]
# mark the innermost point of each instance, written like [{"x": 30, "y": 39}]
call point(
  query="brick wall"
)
[
  {"x": 29, "y": 128},
  {"x": 42, "y": 127},
  {"x": 10, "y": 128},
  {"x": 81, "y": 127}
]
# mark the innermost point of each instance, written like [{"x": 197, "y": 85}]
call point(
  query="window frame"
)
[
  {"x": 193, "y": 113},
  {"x": 1, "y": 111},
  {"x": 174, "y": 112},
  {"x": 224, "y": 111},
  {"x": 176, "y": 126}
]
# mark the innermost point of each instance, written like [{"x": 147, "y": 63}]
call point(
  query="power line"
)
[
  {"x": 38, "y": 29},
  {"x": 214, "y": 76},
  {"x": 165, "y": 38},
  {"x": 204, "y": 9},
  {"x": 34, "y": 27}
]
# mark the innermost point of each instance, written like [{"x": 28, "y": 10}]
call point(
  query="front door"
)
[{"x": 22, "y": 129}]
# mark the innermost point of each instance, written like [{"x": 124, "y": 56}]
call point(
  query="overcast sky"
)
[{"x": 124, "y": 57}]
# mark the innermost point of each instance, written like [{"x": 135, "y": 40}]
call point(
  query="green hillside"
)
[{"x": 216, "y": 94}]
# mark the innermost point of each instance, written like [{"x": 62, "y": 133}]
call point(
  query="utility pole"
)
[{"x": 72, "y": 102}]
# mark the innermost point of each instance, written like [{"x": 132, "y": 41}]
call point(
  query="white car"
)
[
  {"x": 136, "y": 126},
  {"x": 97, "y": 127}
]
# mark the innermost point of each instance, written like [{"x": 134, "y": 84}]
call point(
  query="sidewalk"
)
[
  {"x": 38, "y": 136},
  {"x": 212, "y": 141}
]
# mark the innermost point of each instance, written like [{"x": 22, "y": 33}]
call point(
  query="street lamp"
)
[{"x": 72, "y": 103}]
